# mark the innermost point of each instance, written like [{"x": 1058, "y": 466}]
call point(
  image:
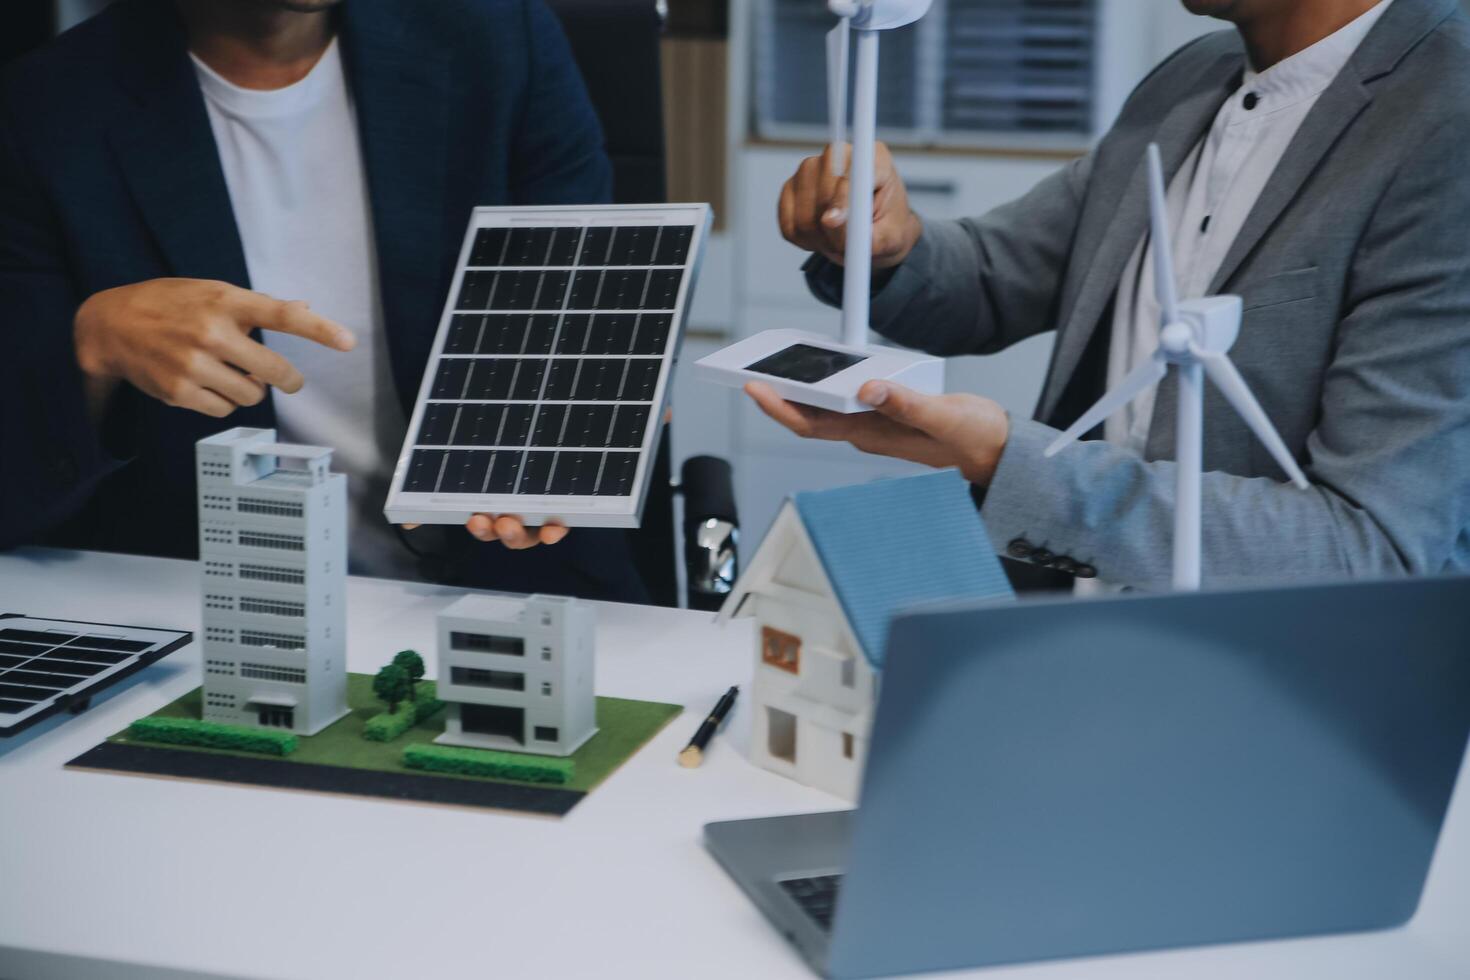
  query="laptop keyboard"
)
[{"x": 817, "y": 896}]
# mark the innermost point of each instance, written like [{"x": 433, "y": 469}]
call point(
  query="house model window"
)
[{"x": 780, "y": 649}]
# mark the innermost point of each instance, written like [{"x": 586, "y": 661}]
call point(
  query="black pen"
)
[{"x": 693, "y": 753}]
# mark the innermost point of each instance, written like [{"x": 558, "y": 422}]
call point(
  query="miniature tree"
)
[
  {"x": 413, "y": 666},
  {"x": 391, "y": 685}
]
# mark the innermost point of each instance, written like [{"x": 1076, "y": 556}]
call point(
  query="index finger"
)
[{"x": 293, "y": 317}]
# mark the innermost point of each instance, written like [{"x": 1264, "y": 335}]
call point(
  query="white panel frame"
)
[{"x": 404, "y": 507}]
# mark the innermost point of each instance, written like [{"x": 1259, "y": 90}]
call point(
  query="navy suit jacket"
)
[{"x": 109, "y": 175}]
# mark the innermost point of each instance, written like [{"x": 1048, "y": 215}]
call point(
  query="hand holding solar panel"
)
[
  {"x": 548, "y": 378},
  {"x": 187, "y": 342}
]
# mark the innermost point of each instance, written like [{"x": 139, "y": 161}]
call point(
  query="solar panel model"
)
[
  {"x": 545, "y": 389},
  {"x": 47, "y": 665}
]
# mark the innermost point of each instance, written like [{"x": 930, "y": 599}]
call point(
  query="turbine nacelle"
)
[{"x": 1210, "y": 323}]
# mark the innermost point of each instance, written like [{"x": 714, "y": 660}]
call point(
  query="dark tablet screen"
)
[{"x": 803, "y": 362}]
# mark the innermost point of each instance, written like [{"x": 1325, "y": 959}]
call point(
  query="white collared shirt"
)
[{"x": 1210, "y": 197}]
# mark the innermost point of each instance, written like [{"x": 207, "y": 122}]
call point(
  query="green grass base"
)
[{"x": 623, "y": 728}]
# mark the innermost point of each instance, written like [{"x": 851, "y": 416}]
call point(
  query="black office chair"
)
[{"x": 616, "y": 45}]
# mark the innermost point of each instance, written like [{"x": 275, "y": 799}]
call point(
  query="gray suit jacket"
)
[{"x": 1355, "y": 269}]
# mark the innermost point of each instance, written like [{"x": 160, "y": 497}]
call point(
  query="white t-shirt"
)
[{"x": 293, "y": 165}]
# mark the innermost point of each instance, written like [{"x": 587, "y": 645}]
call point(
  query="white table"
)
[{"x": 119, "y": 876}]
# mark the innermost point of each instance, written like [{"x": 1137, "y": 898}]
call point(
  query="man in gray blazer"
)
[{"x": 1316, "y": 164}]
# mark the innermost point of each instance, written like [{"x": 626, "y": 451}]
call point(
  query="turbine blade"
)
[
  {"x": 1150, "y": 372},
  {"x": 1223, "y": 373},
  {"x": 837, "y": 45},
  {"x": 1164, "y": 286}
]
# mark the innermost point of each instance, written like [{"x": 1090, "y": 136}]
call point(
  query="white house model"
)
[
  {"x": 273, "y": 553},
  {"x": 517, "y": 673},
  {"x": 835, "y": 567}
]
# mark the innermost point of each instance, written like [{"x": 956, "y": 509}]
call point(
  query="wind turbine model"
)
[
  {"x": 806, "y": 367},
  {"x": 1193, "y": 337}
]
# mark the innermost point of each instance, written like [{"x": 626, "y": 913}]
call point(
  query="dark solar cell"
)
[
  {"x": 69, "y": 668},
  {"x": 632, "y": 246},
  {"x": 490, "y": 378},
  {"x": 549, "y": 422},
  {"x": 575, "y": 474},
  {"x": 553, "y": 289},
  {"x": 29, "y": 649},
  {"x": 528, "y": 246},
  {"x": 587, "y": 425},
  {"x": 464, "y": 333},
  {"x": 618, "y": 470},
  {"x": 663, "y": 289},
  {"x": 474, "y": 291},
  {"x": 112, "y": 643},
  {"x": 505, "y": 470},
  {"x": 574, "y": 328},
  {"x": 438, "y": 424},
  {"x": 9, "y": 707},
  {"x": 673, "y": 245},
  {"x": 35, "y": 678},
  {"x": 536, "y": 473},
  {"x": 489, "y": 246},
  {"x": 35, "y": 636},
  {"x": 465, "y": 471},
  {"x": 565, "y": 243},
  {"x": 104, "y": 657},
  {"x": 541, "y": 335},
  {"x": 641, "y": 380},
  {"x": 14, "y": 692},
  {"x": 595, "y": 243},
  {"x": 612, "y": 333},
  {"x": 652, "y": 335},
  {"x": 449, "y": 380},
  {"x": 601, "y": 379},
  {"x": 628, "y": 426},
  {"x": 527, "y": 383},
  {"x": 504, "y": 333},
  {"x": 562, "y": 379},
  {"x": 7, "y": 661},
  {"x": 423, "y": 470},
  {"x": 622, "y": 289}
]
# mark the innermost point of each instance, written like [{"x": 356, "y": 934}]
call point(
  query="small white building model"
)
[
  {"x": 516, "y": 674},
  {"x": 273, "y": 553},
  {"x": 834, "y": 568}
]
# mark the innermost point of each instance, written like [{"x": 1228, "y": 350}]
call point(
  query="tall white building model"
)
[
  {"x": 273, "y": 551},
  {"x": 517, "y": 674}
]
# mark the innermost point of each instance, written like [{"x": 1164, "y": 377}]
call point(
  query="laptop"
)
[{"x": 1073, "y": 778}]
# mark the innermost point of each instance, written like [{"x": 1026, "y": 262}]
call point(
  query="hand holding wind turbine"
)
[
  {"x": 806, "y": 367},
  {"x": 1193, "y": 337}
]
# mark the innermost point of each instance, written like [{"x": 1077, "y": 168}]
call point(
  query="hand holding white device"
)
[{"x": 808, "y": 368}]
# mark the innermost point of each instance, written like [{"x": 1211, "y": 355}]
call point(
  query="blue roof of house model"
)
[{"x": 893, "y": 543}]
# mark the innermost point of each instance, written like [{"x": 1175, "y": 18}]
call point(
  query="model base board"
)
[
  {"x": 340, "y": 760},
  {"x": 815, "y": 370}
]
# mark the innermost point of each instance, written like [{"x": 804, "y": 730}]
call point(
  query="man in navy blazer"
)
[{"x": 111, "y": 176}]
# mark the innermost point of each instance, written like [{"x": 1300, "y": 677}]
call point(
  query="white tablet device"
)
[
  {"x": 546, "y": 386},
  {"x": 815, "y": 370}
]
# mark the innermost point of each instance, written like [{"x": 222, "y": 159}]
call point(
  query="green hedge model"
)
[
  {"x": 213, "y": 735},
  {"x": 485, "y": 762},
  {"x": 389, "y": 725}
]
